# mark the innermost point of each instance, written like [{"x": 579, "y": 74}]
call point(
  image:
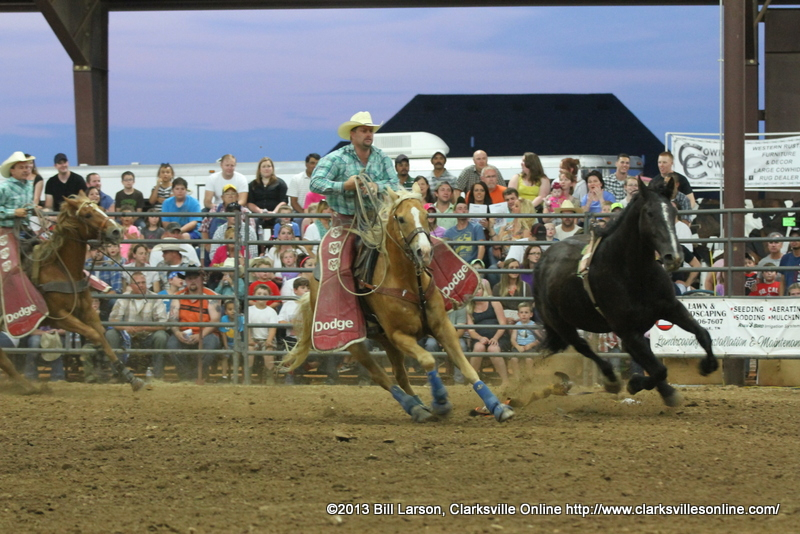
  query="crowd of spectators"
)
[{"x": 166, "y": 281}]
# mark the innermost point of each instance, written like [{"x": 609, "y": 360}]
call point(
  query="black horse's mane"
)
[{"x": 618, "y": 221}]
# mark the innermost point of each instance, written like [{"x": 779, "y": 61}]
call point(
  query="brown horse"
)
[
  {"x": 64, "y": 286},
  {"x": 406, "y": 251}
]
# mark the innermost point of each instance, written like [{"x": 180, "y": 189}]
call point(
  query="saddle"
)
[{"x": 341, "y": 318}]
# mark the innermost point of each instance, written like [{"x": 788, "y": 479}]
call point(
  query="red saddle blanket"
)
[
  {"x": 338, "y": 321},
  {"x": 456, "y": 279},
  {"x": 23, "y": 306}
]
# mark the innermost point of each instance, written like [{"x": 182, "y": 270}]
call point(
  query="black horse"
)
[{"x": 629, "y": 289}]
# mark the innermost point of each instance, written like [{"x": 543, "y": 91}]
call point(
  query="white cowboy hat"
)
[
  {"x": 230, "y": 263},
  {"x": 51, "y": 340},
  {"x": 164, "y": 247},
  {"x": 362, "y": 118},
  {"x": 16, "y": 157},
  {"x": 567, "y": 205}
]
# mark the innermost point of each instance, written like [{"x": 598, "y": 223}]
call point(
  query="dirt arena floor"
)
[{"x": 185, "y": 458}]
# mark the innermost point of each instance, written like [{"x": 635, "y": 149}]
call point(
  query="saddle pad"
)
[
  {"x": 23, "y": 306},
  {"x": 338, "y": 321},
  {"x": 456, "y": 279}
]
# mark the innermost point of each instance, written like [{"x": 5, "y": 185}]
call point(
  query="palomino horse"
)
[
  {"x": 625, "y": 290},
  {"x": 65, "y": 287},
  {"x": 406, "y": 251}
]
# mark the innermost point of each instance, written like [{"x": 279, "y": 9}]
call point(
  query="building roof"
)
[{"x": 548, "y": 124}]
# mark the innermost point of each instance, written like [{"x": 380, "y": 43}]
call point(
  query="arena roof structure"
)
[
  {"x": 506, "y": 124},
  {"x": 82, "y": 28}
]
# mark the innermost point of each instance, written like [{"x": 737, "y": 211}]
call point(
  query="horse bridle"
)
[
  {"x": 102, "y": 230},
  {"x": 407, "y": 239},
  {"x": 418, "y": 267}
]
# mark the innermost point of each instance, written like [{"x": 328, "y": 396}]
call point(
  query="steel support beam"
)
[
  {"x": 752, "y": 108},
  {"x": 733, "y": 167},
  {"x": 82, "y": 28},
  {"x": 782, "y": 70}
]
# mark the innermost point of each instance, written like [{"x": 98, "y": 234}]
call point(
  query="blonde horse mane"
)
[{"x": 375, "y": 235}]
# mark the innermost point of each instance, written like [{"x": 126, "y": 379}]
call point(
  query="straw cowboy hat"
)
[
  {"x": 16, "y": 157},
  {"x": 362, "y": 118},
  {"x": 567, "y": 205}
]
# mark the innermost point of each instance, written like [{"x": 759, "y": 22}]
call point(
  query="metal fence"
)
[{"x": 241, "y": 350}]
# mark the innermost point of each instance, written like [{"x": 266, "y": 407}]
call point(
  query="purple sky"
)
[{"x": 190, "y": 86}]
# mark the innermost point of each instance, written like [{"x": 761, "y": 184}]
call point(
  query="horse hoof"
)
[
  {"x": 442, "y": 409},
  {"x": 674, "y": 400},
  {"x": 708, "y": 366},
  {"x": 421, "y": 414},
  {"x": 137, "y": 384},
  {"x": 612, "y": 387},
  {"x": 635, "y": 384},
  {"x": 503, "y": 412}
]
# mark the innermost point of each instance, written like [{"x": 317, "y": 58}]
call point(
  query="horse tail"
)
[{"x": 302, "y": 327}]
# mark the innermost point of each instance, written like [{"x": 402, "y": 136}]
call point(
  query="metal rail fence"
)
[{"x": 241, "y": 350}]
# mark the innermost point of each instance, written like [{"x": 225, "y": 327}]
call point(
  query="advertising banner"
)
[
  {"x": 737, "y": 326},
  {"x": 768, "y": 163}
]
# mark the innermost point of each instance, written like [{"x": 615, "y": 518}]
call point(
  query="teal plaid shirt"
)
[
  {"x": 14, "y": 194},
  {"x": 335, "y": 168}
]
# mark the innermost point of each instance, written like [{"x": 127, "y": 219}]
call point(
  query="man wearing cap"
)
[
  {"x": 791, "y": 258},
  {"x": 775, "y": 252},
  {"x": 439, "y": 173},
  {"x": 218, "y": 180},
  {"x": 402, "y": 166},
  {"x": 144, "y": 309},
  {"x": 569, "y": 225},
  {"x": 106, "y": 202},
  {"x": 192, "y": 309},
  {"x": 299, "y": 184},
  {"x": 472, "y": 173},
  {"x": 615, "y": 183},
  {"x": 245, "y": 231},
  {"x": 209, "y": 226},
  {"x": 61, "y": 185}
]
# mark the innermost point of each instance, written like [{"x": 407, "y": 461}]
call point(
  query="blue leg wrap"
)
[
  {"x": 404, "y": 399},
  {"x": 486, "y": 395},
  {"x": 437, "y": 387}
]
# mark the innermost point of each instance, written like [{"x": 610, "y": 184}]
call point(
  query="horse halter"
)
[
  {"x": 102, "y": 229},
  {"x": 407, "y": 239}
]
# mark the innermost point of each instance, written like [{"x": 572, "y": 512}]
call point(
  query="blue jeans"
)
[
  {"x": 186, "y": 364},
  {"x": 33, "y": 360}
]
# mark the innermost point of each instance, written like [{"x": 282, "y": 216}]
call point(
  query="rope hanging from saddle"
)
[
  {"x": 583, "y": 268},
  {"x": 369, "y": 225}
]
